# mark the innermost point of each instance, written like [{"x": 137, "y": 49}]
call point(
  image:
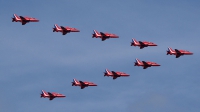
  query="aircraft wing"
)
[
  {"x": 62, "y": 27},
  {"x": 141, "y": 43},
  {"x": 82, "y": 83},
  {"x": 141, "y": 47},
  {"x": 114, "y": 77},
  {"x": 103, "y": 38},
  {"x": 177, "y": 51},
  {"x": 177, "y": 56},
  {"x": 22, "y": 18},
  {"x": 145, "y": 67},
  {"x": 82, "y": 87},
  {"x": 64, "y": 32},
  {"x": 114, "y": 73},
  {"x": 51, "y": 98},
  {"x": 103, "y": 34},
  {"x": 23, "y": 22},
  {"x": 145, "y": 63}
]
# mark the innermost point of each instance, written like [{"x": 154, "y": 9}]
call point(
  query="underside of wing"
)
[
  {"x": 51, "y": 98},
  {"x": 177, "y": 56},
  {"x": 82, "y": 87},
  {"x": 103, "y": 38},
  {"x": 64, "y": 32},
  {"x": 114, "y": 77},
  {"x": 145, "y": 67},
  {"x": 23, "y": 22},
  {"x": 141, "y": 47}
]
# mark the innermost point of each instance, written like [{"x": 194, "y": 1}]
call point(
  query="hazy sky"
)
[{"x": 33, "y": 57}]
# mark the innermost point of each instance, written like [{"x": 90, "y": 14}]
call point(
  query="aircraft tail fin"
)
[
  {"x": 44, "y": 93},
  {"x": 16, "y": 17},
  {"x": 107, "y": 72},
  {"x": 138, "y": 61},
  {"x": 57, "y": 27},
  {"x": 170, "y": 50},
  {"x": 96, "y": 34},
  {"x": 75, "y": 81},
  {"x": 134, "y": 41}
]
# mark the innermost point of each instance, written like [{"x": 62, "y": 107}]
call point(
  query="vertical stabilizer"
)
[
  {"x": 135, "y": 42},
  {"x": 96, "y": 34},
  {"x": 57, "y": 27},
  {"x": 17, "y": 18},
  {"x": 108, "y": 72},
  {"x": 138, "y": 61}
]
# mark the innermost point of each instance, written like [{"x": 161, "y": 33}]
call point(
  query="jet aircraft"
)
[
  {"x": 103, "y": 36},
  {"x": 23, "y": 20},
  {"x": 114, "y": 74},
  {"x": 178, "y": 53},
  {"x": 64, "y": 30},
  {"x": 141, "y": 44},
  {"x": 82, "y": 84},
  {"x": 145, "y": 64},
  {"x": 52, "y": 95}
]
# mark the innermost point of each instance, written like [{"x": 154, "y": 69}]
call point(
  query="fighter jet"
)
[
  {"x": 178, "y": 53},
  {"x": 23, "y": 20},
  {"x": 114, "y": 74},
  {"x": 52, "y": 95},
  {"x": 141, "y": 44},
  {"x": 103, "y": 36},
  {"x": 145, "y": 64},
  {"x": 82, "y": 84}
]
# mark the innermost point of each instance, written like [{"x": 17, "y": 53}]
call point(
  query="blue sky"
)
[{"x": 34, "y": 58}]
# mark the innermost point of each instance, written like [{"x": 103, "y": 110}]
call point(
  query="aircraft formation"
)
[{"x": 103, "y": 37}]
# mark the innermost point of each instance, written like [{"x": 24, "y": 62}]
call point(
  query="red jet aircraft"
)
[
  {"x": 145, "y": 64},
  {"x": 64, "y": 30},
  {"x": 103, "y": 36},
  {"x": 23, "y": 20},
  {"x": 115, "y": 74},
  {"x": 82, "y": 84},
  {"x": 141, "y": 44},
  {"x": 52, "y": 95},
  {"x": 178, "y": 53}
]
